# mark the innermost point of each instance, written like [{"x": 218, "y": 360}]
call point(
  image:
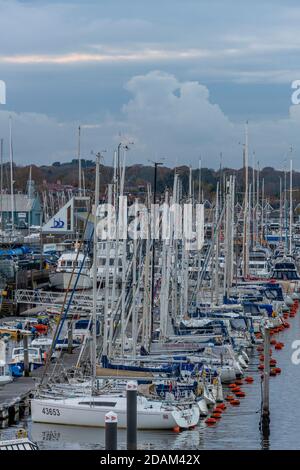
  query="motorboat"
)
[
  {"x": 34, "y": 358},
  {"x": 72, "y": 272}
]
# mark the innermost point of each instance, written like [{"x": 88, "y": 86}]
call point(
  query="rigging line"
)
[{"x": 63, "y": 313}]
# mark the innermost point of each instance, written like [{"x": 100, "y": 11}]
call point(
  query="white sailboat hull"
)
[{"x": 74, "y": 412}]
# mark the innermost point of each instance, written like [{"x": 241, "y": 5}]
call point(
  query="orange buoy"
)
[
  {"x": 259, "y": 348},
  {"x": 235, "y": 402},
  {"x": 210, "y": 421},
  {"x": 272, "y": 372},
  {"x": 278, "y": 346},
  {"x": 286, "y": 324},
  {"x": 222, "y": 406},
  {"x": 240, "y": 394},
  {"x": 218, "y": 410},
  {"x": 273, "y": 362},
  {"x": 232, "y": 385},
  {"x": 229, "y": 397},
  {"x": 236, "y": 389},
  {"x": 176, "y": 429},
  {"x": 216, "y": 415},
  {"x": 262, "y": 357},
  {"x": 261, "y": 367},
  {"x": 278, "y": 370},
  {"x": 273, "y": 342},
  {"x": 249, "y": 379}
]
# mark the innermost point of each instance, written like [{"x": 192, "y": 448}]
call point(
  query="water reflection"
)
[{"x": 53, "y": 436}]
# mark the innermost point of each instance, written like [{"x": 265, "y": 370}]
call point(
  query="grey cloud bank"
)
[
  {"x": 164, "y": 117},
  {"x": 178, "y": 78}
]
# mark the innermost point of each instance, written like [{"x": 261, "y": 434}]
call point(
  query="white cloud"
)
[{"x": 165, "y": 118}]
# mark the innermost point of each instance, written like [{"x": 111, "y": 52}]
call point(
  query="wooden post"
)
[
  {"x": 131, "y": 393},
  {"x": 26, "y": 356},
  {"x": 111, "y": 431},
  {"x": 265, "y": 419}
]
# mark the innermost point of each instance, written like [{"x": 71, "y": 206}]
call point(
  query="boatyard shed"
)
[{"x": 27, "y": 210}]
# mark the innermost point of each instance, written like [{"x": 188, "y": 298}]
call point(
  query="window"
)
[{"x": 98, "y": 403}]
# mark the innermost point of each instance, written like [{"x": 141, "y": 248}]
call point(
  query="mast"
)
[
  {"x": 11, "y": 177},
  {"x": 134, "y": 317},
  {"x": 257, "y": 204},
  {"x": 30, "y": 194},
  {"x": 284, "y": 208},
  {"x": 262, "y": 209},
  {"x": 120, "y": 180},
  {"x": 280, "y": 207},
  {"x": 107, "y": 286},
  {"x": 79, "y": 164},
  {"x": 217, "y": 238},
  {"x": 95, "y": 270},
  {"x": 291, "y": 204},
  {"x": 200, "y": 182},
  {"x": 156, "y": 164},
  {"x": 245, "y": 231},
  {"x": 253, "y": 213}
]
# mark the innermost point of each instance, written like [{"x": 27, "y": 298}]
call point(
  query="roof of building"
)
[{"x": 22, "y": 203}]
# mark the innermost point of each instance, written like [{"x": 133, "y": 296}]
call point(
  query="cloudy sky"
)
[{"x": 179, "y": 78}]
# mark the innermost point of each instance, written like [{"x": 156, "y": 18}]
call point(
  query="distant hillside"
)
[{"x": 58, "y": 175}]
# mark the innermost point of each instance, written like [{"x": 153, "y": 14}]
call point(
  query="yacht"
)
[
  {"x": 285, "y": 270},
  {"x": 68, "y": 263},
  {"x": 91, "y": 411},
  {"x": 258, "y": 264},
  {"x": 34, "y": 358}
]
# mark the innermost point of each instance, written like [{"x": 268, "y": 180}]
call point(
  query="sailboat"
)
[{"x": 91, "y": 411}]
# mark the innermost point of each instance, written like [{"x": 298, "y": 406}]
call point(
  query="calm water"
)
[{"x": 238, "y": 428}]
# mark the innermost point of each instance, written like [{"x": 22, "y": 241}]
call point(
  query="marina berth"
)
[{"x": 181, "y": 325}]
